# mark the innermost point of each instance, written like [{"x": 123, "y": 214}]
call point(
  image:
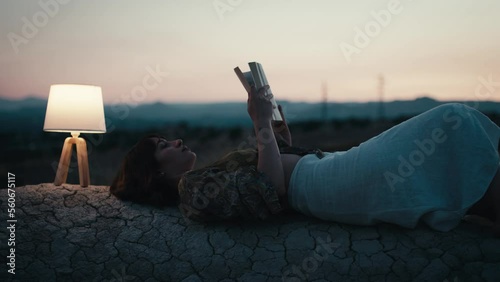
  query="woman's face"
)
[{"x": 173, "y": 157}]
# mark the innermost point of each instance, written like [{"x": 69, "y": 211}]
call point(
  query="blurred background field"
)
[
  {"x": 32, "y": 155},
  {"x": 343, "y": 71}
]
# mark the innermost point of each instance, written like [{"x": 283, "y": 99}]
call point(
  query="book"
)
[{"x": 257, "y": 77}]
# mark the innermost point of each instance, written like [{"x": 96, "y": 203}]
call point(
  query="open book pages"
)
[{"x": 257, "y": 77}]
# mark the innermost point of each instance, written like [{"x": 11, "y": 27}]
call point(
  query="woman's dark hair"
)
[{"x": 139, "y": 180}]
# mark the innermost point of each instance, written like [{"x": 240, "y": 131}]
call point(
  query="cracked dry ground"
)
[{"x": 84, "y": 234}]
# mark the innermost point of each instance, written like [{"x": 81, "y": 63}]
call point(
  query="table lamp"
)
[{"x": 76, "y": 109}]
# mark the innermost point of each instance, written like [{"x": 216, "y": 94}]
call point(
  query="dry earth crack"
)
[{"x": 85, "y": 234}]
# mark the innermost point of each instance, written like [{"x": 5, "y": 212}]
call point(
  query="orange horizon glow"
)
[{"x": 185, "y": 52}]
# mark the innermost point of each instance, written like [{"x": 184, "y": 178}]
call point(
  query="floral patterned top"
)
[{"x": 232, "y": 188}]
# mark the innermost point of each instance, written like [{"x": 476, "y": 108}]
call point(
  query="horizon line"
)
[{"x": 281, "y": 100}]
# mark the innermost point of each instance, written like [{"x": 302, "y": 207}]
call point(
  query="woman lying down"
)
[{"x": 434, "y": 168}]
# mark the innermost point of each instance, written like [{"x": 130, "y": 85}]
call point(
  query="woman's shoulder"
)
[
  {"x": 244, "y": 155},
  {"x": 236, "y": 157},
  {"x": 229, "y": 163}
]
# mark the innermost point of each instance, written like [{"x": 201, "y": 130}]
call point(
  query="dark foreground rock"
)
[{"x": 85, "y": 234}]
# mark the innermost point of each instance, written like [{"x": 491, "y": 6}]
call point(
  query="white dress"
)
[{"x": 430, "y": 168}]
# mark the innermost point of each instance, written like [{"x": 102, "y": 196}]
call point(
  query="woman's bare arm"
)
[
  {"x": 269, "y": 161},
  {"x": 260, "y": 110},
  {"x": 281, "y": 130}
]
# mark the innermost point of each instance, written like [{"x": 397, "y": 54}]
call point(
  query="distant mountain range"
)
[{"x": 29, "y": 114}]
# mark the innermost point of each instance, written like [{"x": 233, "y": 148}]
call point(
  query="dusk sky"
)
[{"x": 440, "y": 49}]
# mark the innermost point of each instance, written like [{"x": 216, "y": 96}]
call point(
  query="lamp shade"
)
[{"x": 75, "y": 108}]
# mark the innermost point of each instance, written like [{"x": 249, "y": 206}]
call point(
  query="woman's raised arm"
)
[
  {"x": 260, "y": 110},
  {"x": 281, "y": 130}
]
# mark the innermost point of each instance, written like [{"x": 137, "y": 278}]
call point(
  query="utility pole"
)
[
  {"x": 324, "y": 110},
  {"x": 381, "y": 90}
]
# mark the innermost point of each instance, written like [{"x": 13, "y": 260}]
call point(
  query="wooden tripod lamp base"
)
[
  {"x": 74, "y": 108},
  {"x": 83, "y": 162}
]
